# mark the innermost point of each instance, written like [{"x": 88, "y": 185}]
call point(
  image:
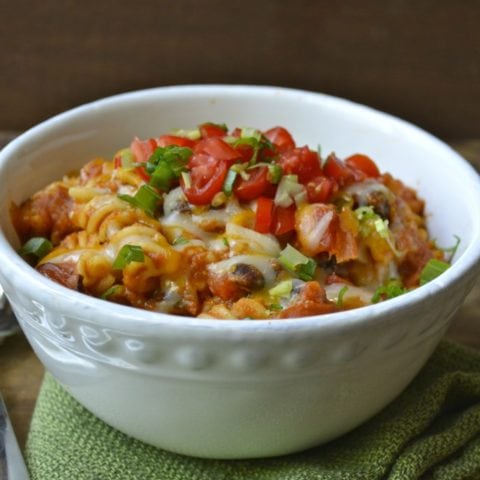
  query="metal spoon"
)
[
  {"x": 12, "y": 466},
  {"x": 8, "y": 322}
]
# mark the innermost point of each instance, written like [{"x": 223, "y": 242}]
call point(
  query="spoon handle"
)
[{"x": 12, "y": 466}]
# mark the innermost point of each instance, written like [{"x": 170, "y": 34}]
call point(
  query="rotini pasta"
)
[{"x": 240, "y": 224}]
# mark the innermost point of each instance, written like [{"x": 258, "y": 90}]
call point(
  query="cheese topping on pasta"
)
[{"x": 238, "y": 224}]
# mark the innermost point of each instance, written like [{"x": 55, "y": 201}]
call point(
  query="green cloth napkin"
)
[{"x": 431, "y": 431}]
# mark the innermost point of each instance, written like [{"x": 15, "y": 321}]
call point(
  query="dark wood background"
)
[{"x": 416, "y": 59}]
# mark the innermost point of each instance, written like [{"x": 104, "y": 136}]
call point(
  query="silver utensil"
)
[
  {"x": 12, "y": 466},
  {"x": 8, "y": 322}
]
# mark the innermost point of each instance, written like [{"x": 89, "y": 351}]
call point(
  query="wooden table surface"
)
[{"x": 21, "y": 373}]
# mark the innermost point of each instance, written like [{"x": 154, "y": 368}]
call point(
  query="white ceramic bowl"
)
[{"x": 236, "y": 389}]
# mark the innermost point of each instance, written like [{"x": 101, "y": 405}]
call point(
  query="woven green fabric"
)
[{"x": 431, "y": 431}]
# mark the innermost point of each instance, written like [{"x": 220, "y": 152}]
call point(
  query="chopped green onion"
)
[
  {"x": 229, "y": 181},
  {"x": 432, "y": 270},
  {"x": 381, "y": 226},
  {"x": 251, "y": 133},
  {"x": 274, "y": 173},
  {"x": 365, "y": 213},
  {"x": 127, "y": 254},
  {"x": 319, "y": 150},
  {"x": 275, "y": 306},
  {"x": 127, "y": 158},
  {"x": 191, "y": 134},
  {"x": 294, "y": 261},
  {"x": 287, "y": 189},
  {"x": 451, "y": 250},
  {"x": 283, "y": 289},
  {"x": 180, "y": 241},
  {"x": 241, "y": 168},
  {"x": 393, "y": 288},
  {"x": 187, "y": 180},
  {"x": 37, "y": 246},
  {"x": 146, "y": 198},
  {"x": 370, "y": 222},
  {"x": 111, "y": 291},
  {"x": 166, "y": 164},
  {"x": 225, "y": 241},
  {"x": 341, "y": 294}
]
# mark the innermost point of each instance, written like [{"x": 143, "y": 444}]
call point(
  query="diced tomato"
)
[
  {"x": 264, "y": 215},
  {"x": 166, "y": 140},
  {"x": 364, "y": 164},
  {"x": 283, "y": 220},
  {"x": 143, "y": 174},
  {"x": 302, "y": 162},
  {"x": 320, "y": 189},
  {"x": 207, "y": 176},
  {"x": 143, "y": 149},
  {"x": 256, "y": 185},
  {"x": 117, "y": 162},
  {"x": 281, "y": 138},
  {"x": 246, "y": 151},
  {"x": 211, "y": 130},
  {"x": 218, "y": 149},
  {"x": 343, "y": 174}
]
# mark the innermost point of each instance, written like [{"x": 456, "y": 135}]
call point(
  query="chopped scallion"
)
[
  {"x": 146, "y": 198},
  {"x": 127, "y": 158},
  {"x": 393, "y": 288},
  {"x": 180, "y": 241},
  {"x": 191, "y": 134},
  {"x": 37, "y": 246},
  {"x": 187, "y": 180},
  {"x": 294, "y": 261},
  {"x": 111, "y": 291},
  {"x": 275, "y": 307},
  {"x": 274, "y": 173},
  {"x": 166, "y": 164},
  {"x": 229, "y": 181},
  {"x": 432, "y": 270},
  {"x": 283, "y": 289},
  {"x": 452, "y": 250},
  {"x": 341, "y": 294},
  {"x": 287, "y": 189},
  {"x": 251, "y": 133},
  {"x": 128, "y": 254},
  {"x": 381, "y": 226}
]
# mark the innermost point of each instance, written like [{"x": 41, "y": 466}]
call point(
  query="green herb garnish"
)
[
  {"x": 191, "y": 134},
  {"x": 166, "y": 164},
  {"x": 432, "y": 270},
  {"x": 126, "y": 158},
  {"x": 393, "y": 288},
  {"x": 128, "y": 254},
  {"x": 146, "y": 198},
  {"x": 297, "y": 263},
  {"x": 37, "y": 246},
  {"x": 341, "y": 294},
  {"x": 114, "y": 289},
  {"x": 229, "y": 181},
  {"x": 283, "y": 289},
  {"x": 180, "y": 241},
  {"x": 274, "y": 173},
  {"x": 255, "y": 139},
  {"x": 451, "y": 250},
  {"x": 289, "y": 191},
  {"x": 275, "y": 307}
]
